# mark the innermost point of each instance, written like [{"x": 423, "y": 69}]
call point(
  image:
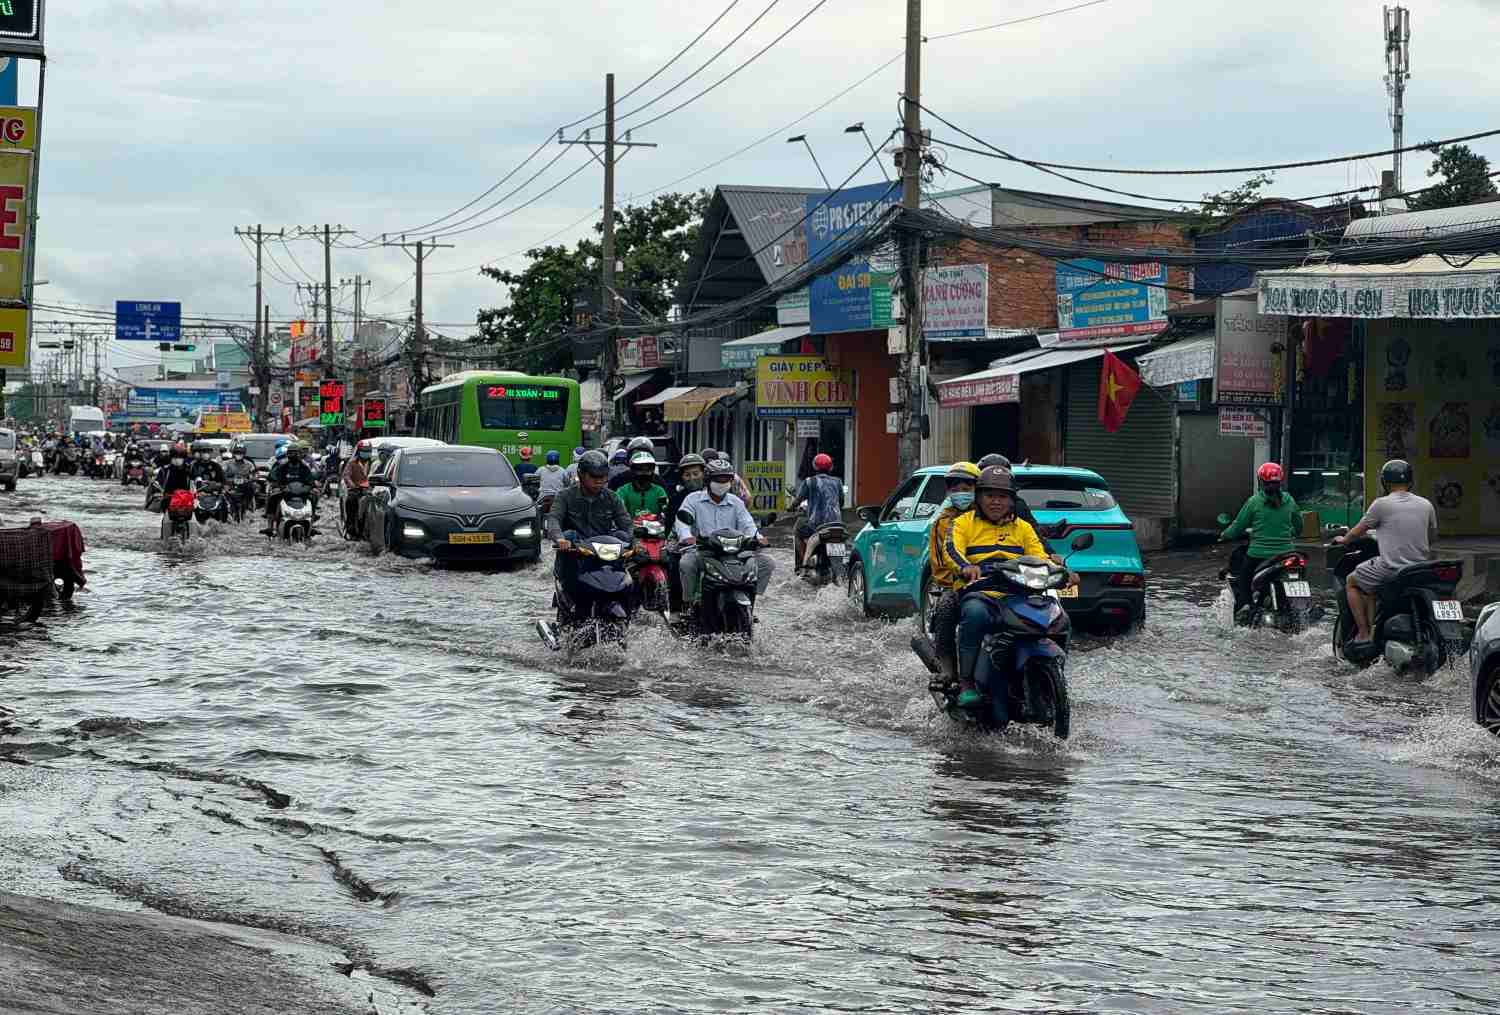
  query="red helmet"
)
[
  {"x": 526, "y": 453},
  {"x": 1270, "y": 473},
  {"x": 822, "y": 462}
]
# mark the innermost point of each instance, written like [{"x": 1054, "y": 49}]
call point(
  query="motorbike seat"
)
[
  {"x": 833, "y": 531},
  {"x": 1417, "y": 576}
]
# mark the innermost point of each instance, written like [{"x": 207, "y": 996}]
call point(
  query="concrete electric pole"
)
[
  {"x": 419, "y": 338},
  {"x": 260, "y": 342},
  {"x": 909, "y": 444}
]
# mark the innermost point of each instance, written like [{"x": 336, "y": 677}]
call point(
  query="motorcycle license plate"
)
[
  {"x": 1068, "y": 592},
  {"x": 837, "y": 550},
  {"x": 1297, "y": 590},
  {"x": 471, "y": 537},
  {"x": 1448, "y": 609}
]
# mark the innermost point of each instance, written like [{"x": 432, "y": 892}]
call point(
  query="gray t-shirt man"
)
[{"x": 1405, "y": 525}]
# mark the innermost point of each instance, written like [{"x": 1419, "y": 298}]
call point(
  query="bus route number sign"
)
[
  {"x": 501, "y": 391},
  {"x": 331, "y": 403}
]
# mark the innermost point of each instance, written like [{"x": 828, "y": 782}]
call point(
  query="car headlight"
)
[
  {"x": 411, "y": 531},
  {"x": 606, "y": 551},
  {"x": 522, "y": 531}
]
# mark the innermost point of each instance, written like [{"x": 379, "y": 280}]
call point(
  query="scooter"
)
[
  {"x": 1021, "y": 673},
  {"x": 67, "y": 462},
  {"x": 176, "y": 523},
  {"x": 726, "y": 602},
  {"x": 1280, "y": 594},
  {"x": 830, "y": 563},
  {"x": 649, "y": 564},
  {"x": 135, "y": 471},
  {"x": 1418, "y": 619},
  {"x": 598, "y": 609},
  {"x": 211, "y": 503},
  {"x": 238, "y": 497},
  {"x": 294, "y": 514}
]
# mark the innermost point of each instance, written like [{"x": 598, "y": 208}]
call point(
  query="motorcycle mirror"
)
[
  {"x": 685, "y": 516},
  {"x": 770, "y": 519},
  {"x": 1223, "y": 519},
  {"x": 1082, "y": 541}
]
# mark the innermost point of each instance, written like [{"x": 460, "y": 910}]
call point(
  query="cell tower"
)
[{"x": 1397, "y": 72}]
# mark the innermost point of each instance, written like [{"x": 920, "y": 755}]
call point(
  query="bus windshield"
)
[{"x": 522, "y": 407}]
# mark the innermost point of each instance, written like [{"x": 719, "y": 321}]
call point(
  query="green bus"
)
[{"x": 505, "y": 410}]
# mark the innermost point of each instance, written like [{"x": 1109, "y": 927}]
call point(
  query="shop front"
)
[
  {"x": 1397, "y": 361},
  {"x": 806, "y": 406}
]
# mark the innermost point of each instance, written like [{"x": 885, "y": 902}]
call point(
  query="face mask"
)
[
  {"x": 963, "y": 499},
  {"x": 718, "y": 489},
  {"x": 239, "y": 457},
  {"x": 177, "y": 461}
]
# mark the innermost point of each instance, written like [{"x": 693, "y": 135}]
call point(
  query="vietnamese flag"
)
[{"x": 1117, "y": 387}]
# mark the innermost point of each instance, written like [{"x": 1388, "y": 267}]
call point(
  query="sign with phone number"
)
[{"x": 331, "y": 403}]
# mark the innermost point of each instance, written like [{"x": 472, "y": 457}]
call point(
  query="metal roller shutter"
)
[{"x": 1138, "y": 461}]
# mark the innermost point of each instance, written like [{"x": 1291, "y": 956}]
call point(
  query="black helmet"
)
[
  {"x": 709, "y": 455},
  {"x": 997, "y": 479},
  {"x": 720, "y": 468},
  {"x": 1396, "y": 472},
  {"x": 593, "y": 463},
  {"x": 990, "y": 460}
]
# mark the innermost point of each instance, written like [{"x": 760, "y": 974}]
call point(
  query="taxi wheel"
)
[{"x": 859, "y": 589}]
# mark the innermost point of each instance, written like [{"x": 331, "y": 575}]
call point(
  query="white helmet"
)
[{"x": 643, "y": 458}]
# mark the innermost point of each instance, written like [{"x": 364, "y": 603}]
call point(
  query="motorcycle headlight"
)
[
  {"x": 1035, "y": 577},
  {"x": 732, "y": 545},
  {"x": 653, "y": 528},
  {"x": 606, "y": 551}
]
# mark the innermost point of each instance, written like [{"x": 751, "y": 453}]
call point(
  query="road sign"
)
[
  {"x": 331, "y": 403},
  {"x": 148, "y": 321}
]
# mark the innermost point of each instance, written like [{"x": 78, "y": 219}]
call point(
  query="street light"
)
[
  {"x": 803, "y": 139},
  {"x": 859, "y": 128}
]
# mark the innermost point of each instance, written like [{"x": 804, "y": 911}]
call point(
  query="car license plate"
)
[
  {"x": 837, "y": 550},
  {"x": 1297, "y": 590},
  {"x": 471, "y": 537},
  {"x": 1068, "y": 592},
  {"x": 1448, "y": 609}
]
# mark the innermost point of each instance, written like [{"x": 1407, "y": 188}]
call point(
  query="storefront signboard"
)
[
  {"x": 1099, "y": 300},
  {"x": 854, "y": 296},
  {"x": 955, "y": 301},
  {"x": 14, "y": 345},
  {"x": 1000, "y": 389},
  {"x": 15, "y": 221},
  {"x": 1242, "y": 423},
  {"x": 793, "y": 308},
  {"x": 1371, "y": 293},
  {"x": 1178, "y": 364},
  {"x": 641, "y": 353},
  {"x": 1245, "y": 367},
  {"x": 767, "y": 482},
  {"x": 801, "y": 387},
  {"x": 809, "y": 428},
  {"x": 182, "y": 403}
]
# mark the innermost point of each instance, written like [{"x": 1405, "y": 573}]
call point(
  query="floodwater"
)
[{"x": 382, "y": 756}]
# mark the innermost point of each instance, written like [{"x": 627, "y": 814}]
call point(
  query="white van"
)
[{"x": 83, "y": 418}]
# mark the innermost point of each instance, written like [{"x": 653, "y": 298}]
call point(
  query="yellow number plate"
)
[
  {"x": 471, "y": 537},
  {"x": 1069, "y": 592}
]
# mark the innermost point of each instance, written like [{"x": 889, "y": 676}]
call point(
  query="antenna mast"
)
[{"x": 1398, "y": 70}]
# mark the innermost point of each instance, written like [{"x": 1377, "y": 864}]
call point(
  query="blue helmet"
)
[
  {"x": 553, "y": 458},
  {"x": 579, "y": 452},
  {"x": 280, "y": 452},
  {"x": 620, "y": 457}
]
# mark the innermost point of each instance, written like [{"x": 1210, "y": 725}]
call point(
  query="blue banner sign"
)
[
  {"x": 142, "y": 321},
  {"x": 854, "y": 296},
  {"x": 1098, "y": 300},
  {"x": 183, "y": 403}
]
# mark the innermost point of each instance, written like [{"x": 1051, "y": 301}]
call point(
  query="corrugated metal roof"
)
[
  {"x": 1424, "y": 224},
  {"x": 764, "y": 214},
  {"x": 761, "y": 215}
]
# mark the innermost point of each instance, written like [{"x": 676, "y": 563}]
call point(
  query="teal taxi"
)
[{"x": 890, "y": 574}]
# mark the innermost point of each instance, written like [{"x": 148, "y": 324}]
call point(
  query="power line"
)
[{"x": 1013, "y": 21}]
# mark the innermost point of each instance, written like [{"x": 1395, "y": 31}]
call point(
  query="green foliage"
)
[
  {"x": 652, "y": 241},
  {"x": 1227, "y": 202},
  {"x": 1465, "y": 180}
]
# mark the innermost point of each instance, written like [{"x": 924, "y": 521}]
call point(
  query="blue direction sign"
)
[{"x": 141, "y": 321}]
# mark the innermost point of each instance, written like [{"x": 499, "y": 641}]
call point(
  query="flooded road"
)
[{"x": 381, "y": 756}]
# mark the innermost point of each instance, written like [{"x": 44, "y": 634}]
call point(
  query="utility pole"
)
[
  {"x": 260, "y": 342},
  {"x": 327, "y": 235},
  {"x": 608, "y": 297},
  {"x": 419, "y": 378},
  {"x": 1398, "y": 70},
  {"x": 909, "y": 443},
  {"x": 359, "y": 283}
]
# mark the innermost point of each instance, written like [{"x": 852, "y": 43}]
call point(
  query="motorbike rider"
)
[
  {"x": 586, "y": 510},
  {"x": 738, "y": 486},
  {"x": 619, "y": 480},
  {"x": 356, "y": 479},
  {"x": 1405, "y": 525},
  {"x": 287, "y": 470},
  {"x": 572, "y": 469},
  {"x": 1273, "y": 516},
  {"x": 822, "y": 494},
  {"x": 176, "y": 475},
  {"x": 990, "y": 532},
  {"x": 525, "y": 466},
  {"x": 960, "y": 480},
  {"x": 554, "y": 478},
  {"x": 715, "y": 508},
  {"x": 689, "y": 479},
  {"x": 239, "y": 476},
  {"x": 205, "y": 468},
  {"x": 643, "y": 493}
]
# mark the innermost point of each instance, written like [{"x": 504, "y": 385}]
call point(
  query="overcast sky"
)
[{"x": 170, "y": 122}]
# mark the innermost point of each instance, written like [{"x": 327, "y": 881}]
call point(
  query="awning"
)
[
  {"x": 1190, "y": 360},
  {"x": 1424, "y": 287},
  {"x": 633, "y": 382},
  {"x": 662, "y": 397},
  {"x": 688, "y": 407},
  {"x": 1001, "y": 383},
  {"x": 742, "y": 353}
]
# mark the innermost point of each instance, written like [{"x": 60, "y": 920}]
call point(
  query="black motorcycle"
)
[
  {"x": 1280, "y": 594},
  {"x": 211, "y": 503},
  {"x": 239, "y": 495},
  {"x": 66, "y": 462},
  {"x": 596, "y": 607},
  {"x": 1418, "y": 619},
  {"x": 726, "y": 600},
  {"x": 830, "y": 563}
]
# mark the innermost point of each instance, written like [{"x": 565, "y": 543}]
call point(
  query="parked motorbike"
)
[
  {"x": 649, "y": 564},
  {"x": 1025, "y": 659},
  {"x": 599, "y": 606},
  {"x": 294, "y": 514},
  {"x": 177, "y": 521},
  {"x": 1418, "y": 619},
  {"x": 830, "y": 563},
  {"x": 726, "y": 601},
  {"x": 211, "y": 503},
  {"x": 1280, "y": 594}
]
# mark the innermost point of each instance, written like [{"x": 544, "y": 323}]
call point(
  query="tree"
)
[
  {"x": 1227, "y": 202},
  {"x": 652, "y": 241},
  {"x": 1465, "y": 180}
]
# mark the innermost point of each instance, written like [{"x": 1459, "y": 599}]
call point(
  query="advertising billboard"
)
[
  {"x": 801, "y": 387},
  {"x": 856, "y": 296},
  {"x": 1245, "y": 368},
  {"x": 181, "y": 403},
  {"x": 1099, "y": 300},
  {"x": 956, "y": 301},
  {"x": 14, "y": 347},
  {"x": 331, "y": 403},
  {"x": 15, "y": 221},
  {"x": 21, "y": 26}
]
